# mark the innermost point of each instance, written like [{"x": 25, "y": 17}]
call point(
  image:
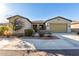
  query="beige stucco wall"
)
[
  {"x": 26, "y": 24},
  {"x": 75, "y": 27},
  {"x": 59, "y": 20}
]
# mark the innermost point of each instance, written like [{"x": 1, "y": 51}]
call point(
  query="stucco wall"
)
[
  {"x": 26, "y": 24},
  {"x": 59, "y": 20}
]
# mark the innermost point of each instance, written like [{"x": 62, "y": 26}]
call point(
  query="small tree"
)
[{"x": 17, "y": 24}]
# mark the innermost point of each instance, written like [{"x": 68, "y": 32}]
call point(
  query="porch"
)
[{"x": 38, "y": 25}]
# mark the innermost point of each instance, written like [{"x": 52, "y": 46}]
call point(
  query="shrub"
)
[
  {"x": 48, "y": 33},
  {"x": 28, "y": 32},
  {"x": 45, "y": 33},
  {"x": 41, "y": 33},
  {"x": 4, "y": 29},
  {"x": 7, "y": 33}
]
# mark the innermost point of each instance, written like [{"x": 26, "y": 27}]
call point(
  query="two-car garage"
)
[
  {"x": 58, "y": 24},
  {"x": 58, "y": 27}
]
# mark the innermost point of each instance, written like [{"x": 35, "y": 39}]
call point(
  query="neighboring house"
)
[
  {"x": 75, "y": 26},
  {"x": 4, "y": 24},
  {"x": 25, "y": 23},
  {"x": 58, "y": 24}
]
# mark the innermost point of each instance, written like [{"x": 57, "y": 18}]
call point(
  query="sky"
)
[{"x": 40, "y": 11}]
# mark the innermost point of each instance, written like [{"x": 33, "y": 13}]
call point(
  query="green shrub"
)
[{"x": 28, "y": 32}]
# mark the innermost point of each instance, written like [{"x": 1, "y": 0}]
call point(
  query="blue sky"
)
[{"x": 39, "y": 11}]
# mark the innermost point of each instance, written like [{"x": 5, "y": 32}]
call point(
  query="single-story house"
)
[
  {"x": 24, "y": 22},
  {"x": 58, "y": 24}
]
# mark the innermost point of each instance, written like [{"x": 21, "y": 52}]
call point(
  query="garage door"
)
[{"x": 58, "y": 27}]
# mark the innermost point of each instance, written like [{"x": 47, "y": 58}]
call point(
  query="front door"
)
[
  {"x": 35, "y": 28},
  {"x": 38, "y": 27}
]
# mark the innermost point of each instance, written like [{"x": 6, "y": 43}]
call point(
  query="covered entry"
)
[
  {"x": 38, "y": 25},
  {"x": 58, "y": 27}
]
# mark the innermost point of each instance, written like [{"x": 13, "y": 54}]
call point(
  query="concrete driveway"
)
[
  {"x": 72, "y": 38},
  {"x": 66, "y": 41}
]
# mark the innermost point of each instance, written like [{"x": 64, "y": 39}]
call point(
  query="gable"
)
[
  {"x": 58, "y": 20},
  {"x": 11, "y": 19}
]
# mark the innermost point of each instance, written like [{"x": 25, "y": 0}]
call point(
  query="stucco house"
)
[
  {"x": 23, "y": 22},
  {"x": 58, "y": 24}
]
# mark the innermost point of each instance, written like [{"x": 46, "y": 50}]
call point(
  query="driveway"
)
[
  {"x": 72, "y": 38},
  {"x": 66, "y": 41}
]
